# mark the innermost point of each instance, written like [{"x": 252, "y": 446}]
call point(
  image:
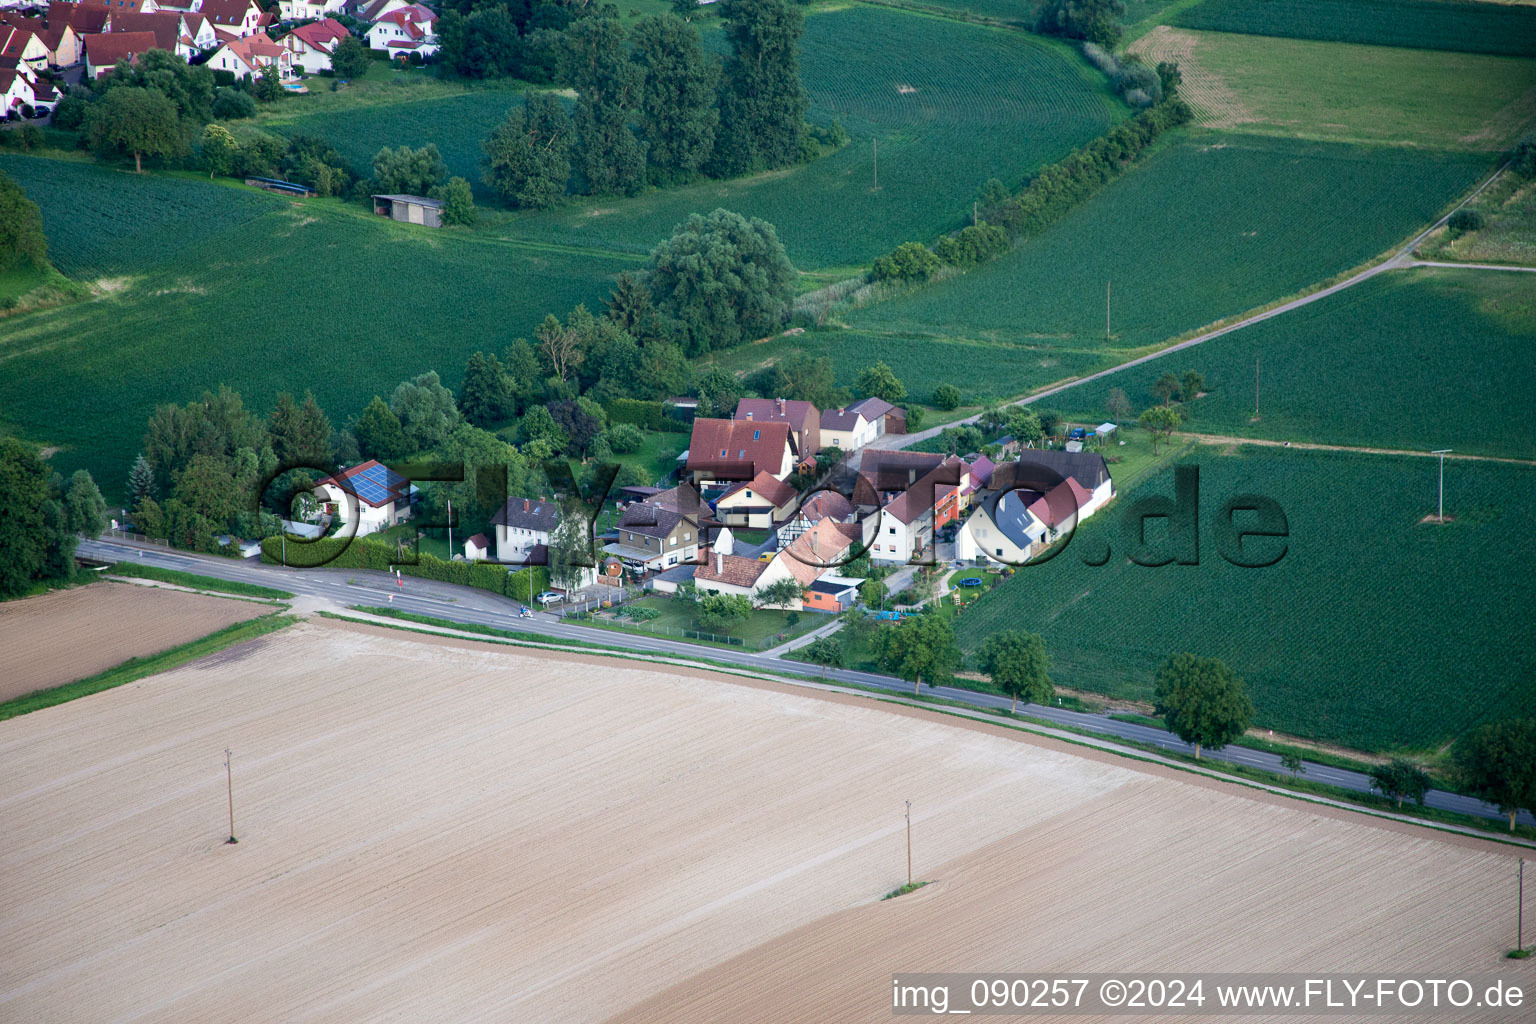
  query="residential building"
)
[
  {"x": 371, "y": 11},
  {"x": 20, "y": 46},
  {"x": 832, "y": 594},
  {"x": 812, "y": 509},
  {"x": 887, "y": 418},
  {"x": 85, "y": 19},
  {"x": 134, "y": 6},
  {"x": 168, "y": 27},
  {"x": 366, "y": 498},
  {"x": 909, "y": 520},
  {"x": 846, "y": 428},
  {"x": 894, "y": 470},
  {"x": 724, "y": 452},
  {"x": 307, "y": 10},
  {"x": 804, "y": 420},
  {"x": 106, "y": 51},
  {"x": 312, "y": 46},
  {"x": 1042, "y": 470},
  {"x": 522, "y": 525},
  {"x": 819, "y": 552},
  {"x": 59, "y": 38},
  {"x": 405, "y": 30},
  {"x": 235, "y": 19},
  {"x": 651, "y": 539},
  {"x": 729, "y": 574},
  {"x": 15, "y": 89},
  {"x": 248, "y": 55},
  {"x": 1031, "y": 503},
  {"x": 761, "y": 503}
]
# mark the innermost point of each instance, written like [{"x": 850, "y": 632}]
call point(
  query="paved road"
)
[{"x": 468, "y": 605}]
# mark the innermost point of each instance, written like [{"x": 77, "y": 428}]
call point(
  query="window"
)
[
  {"x": 722, "y": 453},
  {"x": 890, "y": 529},
  {"x": 757, "y": 435},
  {"x": 999, "y": 552},
  {"x": 749, "y": 494},
  {"x": 687, "y": 536},
  {"x": 674, "y": 542}
]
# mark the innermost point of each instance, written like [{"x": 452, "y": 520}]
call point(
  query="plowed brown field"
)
[
  {"x": 435, "y": 831},
  {"x": 58, "y": 637}
]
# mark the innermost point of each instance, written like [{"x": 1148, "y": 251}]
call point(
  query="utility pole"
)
[
  {"x": 1443, "y": 452},
  {"x": 229, "y": 779},
  {"x": 1520, "y": 912},
  {"x": 909, "y": 842},
  {"x": 877, "y": 164},
  {"x": 1255, "y": 385},
  {"x": 1106, "y": 310},
  {"x": 975, "y": 220},
  {"x": 450, "y": 529}
]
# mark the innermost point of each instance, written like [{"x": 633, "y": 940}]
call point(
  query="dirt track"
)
[
  {"x": 443, "y": 831},
  {"x": 65, "y": 635}
]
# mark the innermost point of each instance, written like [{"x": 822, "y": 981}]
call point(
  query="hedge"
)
[
  {"x": 646, "y": 415},
  {"x": 339, "y": 553}
]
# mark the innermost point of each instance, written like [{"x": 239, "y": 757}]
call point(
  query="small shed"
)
[
  {"x": 1105, "y": 429},
  {"x": 410, "y": 209}
]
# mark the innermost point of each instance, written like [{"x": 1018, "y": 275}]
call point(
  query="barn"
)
[{"x": 410, "y": 209}]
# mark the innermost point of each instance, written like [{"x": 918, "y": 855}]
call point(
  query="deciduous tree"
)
[
  {"x": 1497, "y": 763},
  {"x": 677, "y": 108},
  {"x": 1016, "y": 662},
  {"x": 136, "y": 121},
  {"x": 1400, "y": 778},
  {"x": 21, "y": 228},
  {"x": 528, "y": 155},
  {"x": 919, "y": 646},
  {"x": 824, "y": 651},
  {"x": 1202, "y": 701},
  {"x": 762, "y": 103},
  {"x": 880, "y": 381}
]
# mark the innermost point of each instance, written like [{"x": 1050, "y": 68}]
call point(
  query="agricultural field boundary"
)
[
  {"x": 940, "y": 706},
  {"x": 1400, "y": 257},
  {"x": 1225, "y": 439}
]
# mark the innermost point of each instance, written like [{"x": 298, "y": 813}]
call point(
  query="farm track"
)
[{"x": 1226, "y": 439}]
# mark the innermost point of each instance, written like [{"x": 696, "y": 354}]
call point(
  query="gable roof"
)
[
  {"x": 372, "y": 482},
  {"x": 737, "y": 448},
  {"x": 8, "y": 78},
  {"x": 818, "y": 550},
  {"x": 227, "y": 12},
  {"x": 982, "y": 469},
  {"x": 1043, "y": 469},
  {"x": 81, "y": 17},
  {"x": 846, "y": 418},
  {"x": 766, "y": 486},
  {"x": 14, "y": 40},
  {"x": 826, "y": 505},
  {"x": 252, "y": 48},
  {"x": 166, "y": 27},
  {"x": 528, "y": 514},
  {"x": 321, "y": 35},
  {"x": 650, "y": 521},
  {"x": 895, "y": 470},
  {"x": 777, "y": 410},
  {"x": 927, "y": 490},
  {"x": 109, "y": 49},
  {"x": 1060, "y": 503},
  {"x": 874, "y": 408},
  {"x": 1010, "y": 512},
  {"x": 732, "y": 569}
]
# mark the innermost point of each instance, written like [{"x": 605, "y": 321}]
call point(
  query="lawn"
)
[
  {"x": 764, "y": 628},
  {"x": 1343, "y": 92},
  {"x": 1502, "y": 28},
  {"x": 950, "y": 106},
  {"x": 1375, "y": 630},
  {"x": 657, "y": 456},
  {"x": 220, "y": 284},
  {"x": 1208, "y": 228},
  {"x": 1417, "y": 359}
]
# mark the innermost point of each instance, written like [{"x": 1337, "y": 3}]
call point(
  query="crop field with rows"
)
[
  {"x": 1411, "y": 359},
  {"x": 996, "y": 104},
  {"x": 102, "y": 221},
  {"x": 1475, "y": 27},
  {"x": 1375, "y": 630},
  {"x": 1210, "y": 227},
  {"x": 980, "y": 369},
  {"x": 314, "y": 295}
]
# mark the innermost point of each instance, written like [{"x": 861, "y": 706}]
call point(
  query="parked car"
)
[
  {"x": 766, "y": 556},
  {"x": 1078, "y": 434},
  {"x": 549, "y": 597}
]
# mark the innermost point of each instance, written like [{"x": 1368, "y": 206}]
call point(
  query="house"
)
[
  {"x": 405, "y": 30},
  {"x": 846, "y": 428},
  {"x": 804, "y": 420},
  {"x": 1002, "y": 529},
  {"x": 84, "y": 19},
  {"x": 370, "y": 11},
  {"x": 59, "y": 45},
  {"x": 523, "y": 524},
  {"x": 248, "y": 55},
  {"x": 820, "y": 551},
  {"x": 891, "y": 470},
  {"x": 651, "y": 539},
  {"x": 132, "y": 6},
  {"x": 910, "y": 519},
  {"x": 981, "y": 475},
  {"x": 477, "y": 548},
  {"x": 1042, "y": 470},
  {"x": 235, "y": 19},
  {"x": 313, "y": 45},
  {"x": 170, "y": 32},
  {"x": 729, "y": 574},
  {"x": 815, "y": 507},
  {"x": 367, "y": 498},
  {"x": 832, "y": 594},
  {"x": 761, "y": 503},
  {"x": 307, "y": 10},
  {"x": 723, "y": 452},
  {"x": 23, "y": 47},
  {"x": 106, "y": 51},
  {"x": 410, "y": 209},
  {"x": 15, "y": 89},
  {"x": 887, "y": 418}
]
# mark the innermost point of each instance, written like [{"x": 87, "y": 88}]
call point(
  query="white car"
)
[{"x": 549, "y": 597}]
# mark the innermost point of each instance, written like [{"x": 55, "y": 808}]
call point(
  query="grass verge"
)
[
  {"x": 138, "y": 668},
  {"x": 903, "y": 890},
  {"x": 187, "y": 579}
]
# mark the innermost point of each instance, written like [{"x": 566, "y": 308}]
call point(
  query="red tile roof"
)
[
  {"x": 927, "y": 491},
  {"x": 82, "y": 18},
  {"x": 322, "y": 35},
  {"x": 1060, "y": 503},
  {"x": 739, "y": 449},
  {"x": 818, "y": 550},
  {"x": 165, "y": 27},
  {"x": 732, "y": 569},
  {"x": 113, "y": 48},
  {"x": 766, "y": 486}
]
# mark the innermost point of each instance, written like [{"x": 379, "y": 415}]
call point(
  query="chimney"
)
[
  {"x": 781, "y": 407},
  {"x": 815, "y": 541},
  {"x": 719, "y": 564},
  {"x": 525, "y": 504}
]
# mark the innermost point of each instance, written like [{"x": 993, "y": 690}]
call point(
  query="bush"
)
[
  {"x": 70, "y": 113},
  {"x": 970, "y": 246},
  {"x": 625, "y": 438},
  {"x": 909, "y": 261},
  {"x": 338, "y": 553},
  {"x": 1138, "y": 78},
  {"x": 946, "y": 397},
  {"x": 1465, "y": 220},
  {"x": 1138, "y": 98},
  {"x": 646, "y": 415},
  {"x": 233, "y": 105}
]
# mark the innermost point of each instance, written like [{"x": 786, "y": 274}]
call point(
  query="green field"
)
[
  {"x": 1410, "y": 359},
  {"x": 278, "y": 295},
  {"x": 1475, "y": 27},
  {"x": 986, "y": 103},
  {"x": 1509, "y": 236},
  {"x": 1375, "y": 630},
  {"x": 1208, "y": 228},
  {"x": 980, "y": 369},
  {"x": 1343, "y": 92}
]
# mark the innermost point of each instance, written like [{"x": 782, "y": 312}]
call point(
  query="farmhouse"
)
[
  {"x": 312, "y": 46},
  {"x": 651, "y": 539},
  {"x": 804, "y": 420},
  {"x": 410, "y": 209},
  {"x": 249, "y": 55},
  {"x": 522, "y": 525},
  {"x": 1031, "y": 503},
  {"x": 723, "y": 452},
  {"x": 367, "y": 498},
  {"x": 761, "y": 503},
  {"x": 106, "y": 51},
  {"x": 405, "y": 30}
]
